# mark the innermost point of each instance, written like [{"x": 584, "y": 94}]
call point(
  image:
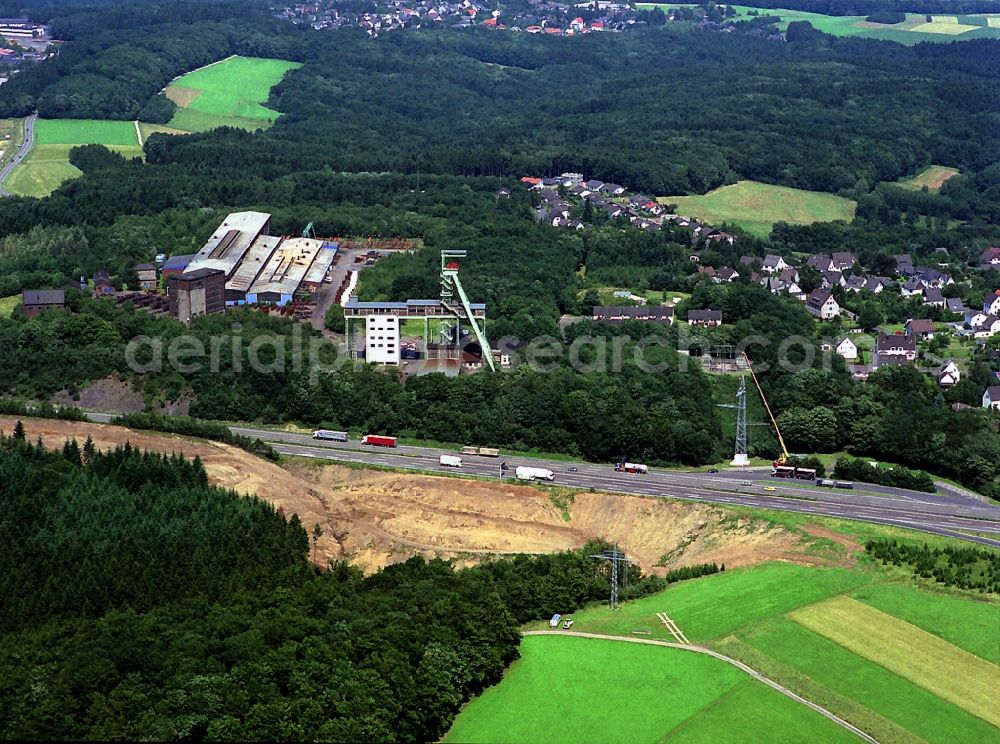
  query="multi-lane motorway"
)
[
  {"x": 22, "y": 152},
  {"x": 950, "y": 514}
]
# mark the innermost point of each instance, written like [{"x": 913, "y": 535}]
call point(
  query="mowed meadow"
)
[
  {"x": 228, "y": 93},
  {"x": 755, "y": 206},
  {"x": 899, "y": 660}
]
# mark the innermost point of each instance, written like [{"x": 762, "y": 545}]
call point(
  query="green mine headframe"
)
[{"x": 452, "y": 285}]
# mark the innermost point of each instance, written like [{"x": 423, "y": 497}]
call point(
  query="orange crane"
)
[{"x": 774, "y": 422}]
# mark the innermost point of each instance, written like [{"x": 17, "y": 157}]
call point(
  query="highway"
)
[
  {"x": 22, "y": 152},
  {"x": 948, "y": 514}
]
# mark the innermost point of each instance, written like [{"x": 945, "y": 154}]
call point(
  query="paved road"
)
[
  {"x": 722, "y": 657},
  {"x": 947, "y": 514},
  {"x": 29, "y": 141}
]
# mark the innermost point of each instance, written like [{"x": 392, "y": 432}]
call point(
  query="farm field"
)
[
  {"x": 914, "y": 30},
  {"x": 757, "y": 206},
  {"x": 559, "y": 691},
  {"x": 910, "y": 652},
  {"x": 933, "y": 176},
  {"x": 47, "y": 165},
  {"x": 227, "y": 93},
  {"x": 878, "y": 700}
]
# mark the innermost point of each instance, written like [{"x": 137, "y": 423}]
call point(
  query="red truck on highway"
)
[{"x": 377, "y": 440}]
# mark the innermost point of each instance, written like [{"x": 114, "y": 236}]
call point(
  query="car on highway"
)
[
  {"x": 574, "y": 470},
  {"x": 746, "y": 483},
  {"x": 770, "y": 488},
  {"x": 713, "y": 470}
]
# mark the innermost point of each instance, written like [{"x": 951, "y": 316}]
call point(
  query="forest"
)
[{"x": 189, "y": 612}]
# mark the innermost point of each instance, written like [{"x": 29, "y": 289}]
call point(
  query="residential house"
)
[
  {"x": 948, "y": 374},
  {"x": 875, "y": 284},
  {"x": 933, "y": 297},
  {"x": 974, "y": 317},
  {"x": 820, "y": 263},
  {"x": 822, "y": 304},
  {"x": 894, "y": 349},
  {"x": 594, "y": 186},
  {"x": 991, "y": 256},
  {"x": 912, "y": 287},
  {"x": 705, "y": 317},
  {"x": 933, "y": 277},
  {"x": 843, "y": 261},
  {"x": 920, "y": 328},
  {"x": 727, "y": 274},
  {"x": 991, "y": 398},
  {"x": 612, "y": 188},
  {"x": 789, "y": 275},
  {"x": 904, "y": 264},
  {"x": 846, "y": 349},
  {"x": 502, "y": 193},
  {"x": 832, "y": 279},
  {"x": 954, "y": 305},
  {"x": 856, "y": 283},
  {"x": 991, "y": 305},
  {"x": 773, "y": 264},
  {"x": 35, "y": 301},
  {"x": 989, "y": 327},
  {"x": 147, "y": 276}
]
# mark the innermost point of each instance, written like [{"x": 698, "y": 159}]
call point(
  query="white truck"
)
[
  {"x": 534, "y": 474},
  {"x": 450, "y": 461}
]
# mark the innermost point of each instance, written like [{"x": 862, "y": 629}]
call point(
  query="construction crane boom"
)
[{"x": 767, "y": 407}]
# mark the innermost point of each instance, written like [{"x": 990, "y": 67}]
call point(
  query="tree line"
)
[{"x": 967, "y": 568}]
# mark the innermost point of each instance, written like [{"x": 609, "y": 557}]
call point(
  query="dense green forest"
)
[{"x": 187, "y": 611}]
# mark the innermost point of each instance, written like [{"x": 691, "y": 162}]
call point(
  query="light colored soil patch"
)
[
  {"x": 933, "y": 177},
  {"x": 951, "y": 29},
  {"x": 182, "y": 96},
  {"x": 912, "y": 653},
  {"x": 993, "y": 22},
  {"x": 376, "y": 518},
  {"x": 104, "y": 395},
  {"x": 944, "y": 19}
]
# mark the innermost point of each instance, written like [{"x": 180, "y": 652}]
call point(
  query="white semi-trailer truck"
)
[
  {"x": 450, "y": 461},
  {"x": 533, "y": 474}
]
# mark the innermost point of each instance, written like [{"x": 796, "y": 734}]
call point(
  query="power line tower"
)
[
  {"x": 741, "y": 458},
  {"x": 451, "y": 286},
  {"x": 614, "y": 556}
]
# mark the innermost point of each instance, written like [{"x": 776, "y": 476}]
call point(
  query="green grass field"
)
[
  {"x": 7, "y": 305},
  {"x": 910, "y": 652},
  {"x": 717, "y": 605},
  {"x": 227, "y": 93},
  {"x": 913, "y": 30},
  {"x": 757, "y": 206},
  {"x": 969, "y": 624},
  {"x": 856, "y": 688},
  {"x": 85, "y": 132},
  {"x": 932, "y": 177},
  {"x": 47, "y": 167},
  {"x": 560, "y": 690}
]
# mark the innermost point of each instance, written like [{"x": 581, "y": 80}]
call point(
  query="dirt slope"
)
[{"x": 375, "y": 518}]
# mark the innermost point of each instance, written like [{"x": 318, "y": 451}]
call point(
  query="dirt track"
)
[{"x": 375, "y": 518}]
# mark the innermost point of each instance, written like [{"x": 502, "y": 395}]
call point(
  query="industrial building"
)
[
  {"x": 34, "y": 302},
  {"x": 250, "y": 268},
  {"x": 230, "y": 242},
  {"x": 197, "y": 292}
]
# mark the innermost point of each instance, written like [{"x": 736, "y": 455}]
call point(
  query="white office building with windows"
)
[{"x": 382, "y": 339}]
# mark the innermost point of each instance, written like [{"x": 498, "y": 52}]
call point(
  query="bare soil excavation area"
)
[{"x": 375, "y": 518}]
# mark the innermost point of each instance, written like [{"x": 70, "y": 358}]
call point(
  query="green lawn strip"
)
[
  {"x": 969, "y": 682},
  {"x": 796, "y": 678},
  {"x": 236, "y": 86},
  {"x": 85, "y": 132},
  {"x": 754, "y": 712},
  {"x": 560, "y": 690},
  {"x": 886, "y": 696},
  {"x": 717, "y": 605},
  {"x": 971, "y": 623}
]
